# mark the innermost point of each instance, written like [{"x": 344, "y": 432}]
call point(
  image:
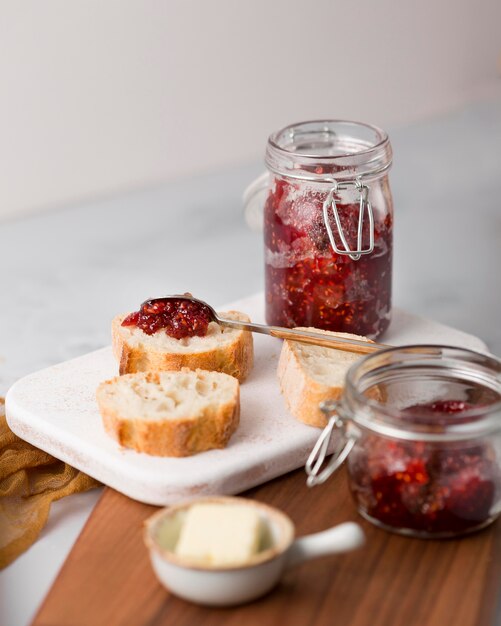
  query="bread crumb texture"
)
[{"x": 170, "y": 413}]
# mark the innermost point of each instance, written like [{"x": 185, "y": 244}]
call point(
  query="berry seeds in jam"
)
[
  {"x": 179, "y": 318},
  {"x": 441, "y": 489},
  {"x": 307, "y": 283}
]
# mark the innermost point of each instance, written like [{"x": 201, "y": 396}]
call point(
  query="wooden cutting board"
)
[{"x": 392, "y": 581}]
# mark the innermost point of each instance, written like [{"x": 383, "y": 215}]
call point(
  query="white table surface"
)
[{"x": 66, "y": 273}]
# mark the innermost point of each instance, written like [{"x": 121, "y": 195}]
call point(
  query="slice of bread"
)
[
  {"x": 310, "y": 374},
  {"x": 222, "y": 350},
  {"x": 170, "y": 413}
]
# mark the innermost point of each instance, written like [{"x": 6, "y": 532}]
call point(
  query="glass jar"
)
[
  {"x": 420, "y": 429},
  {"x": 328, "y": 227}
]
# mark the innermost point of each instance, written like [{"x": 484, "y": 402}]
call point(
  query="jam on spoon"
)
[
  {"x": 179, "y": 318},
  {"x": 186, "y": 316}
]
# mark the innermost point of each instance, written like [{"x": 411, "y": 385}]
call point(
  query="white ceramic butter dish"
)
[{"x": 231, "y": 585}]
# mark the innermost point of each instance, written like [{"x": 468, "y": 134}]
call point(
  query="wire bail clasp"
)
[
  {"x": 330, "y": 203},
  {"x": 321, "y": 447}
]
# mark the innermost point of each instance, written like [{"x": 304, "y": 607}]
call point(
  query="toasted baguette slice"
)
[
  {"x": 170, "y": 413},
  {"x": 310, "y": 374},
  {"x": 222, "y": 350}
]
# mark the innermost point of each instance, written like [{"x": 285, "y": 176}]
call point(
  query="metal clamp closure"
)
[
  {"x": 330, "y": 203},
  {"x": 321, "y": 448}
]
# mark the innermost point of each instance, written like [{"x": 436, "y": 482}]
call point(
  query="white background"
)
[{"x": 104, "y": 96}]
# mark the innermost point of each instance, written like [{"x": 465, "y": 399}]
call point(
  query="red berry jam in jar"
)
[
  {"x": 328, "y": 227},
  {"x": 421, "y": 429}
]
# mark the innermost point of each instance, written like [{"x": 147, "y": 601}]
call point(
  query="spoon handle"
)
[{"x": 307, "y": 336}]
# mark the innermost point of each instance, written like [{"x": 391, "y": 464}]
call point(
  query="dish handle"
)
[{"x": 342, "y": 538}]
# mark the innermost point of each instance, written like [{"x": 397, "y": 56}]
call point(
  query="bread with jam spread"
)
[
  {"x": 310, "y": 374},
  {"x": 222, "y": 349},
  {"x": 170, "y": 413}
]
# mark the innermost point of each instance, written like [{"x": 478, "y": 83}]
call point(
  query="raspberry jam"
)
[
  {"x": 314, "y": 275},
  {"x": 424, "y": 487},
  {"x": 420, "y": 429},
  {"x": 179, "y": 318},
  {"x": 307, "y": 283}
]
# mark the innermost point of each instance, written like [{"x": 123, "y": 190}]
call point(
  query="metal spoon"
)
[{"x": 303, "y": 336}]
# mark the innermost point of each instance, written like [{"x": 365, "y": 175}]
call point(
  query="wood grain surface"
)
[{"x": 392, "y": 581}]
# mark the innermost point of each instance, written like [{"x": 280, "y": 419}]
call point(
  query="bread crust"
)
[
  {"x": 171, "y": 437},
  {"x": 303, "y": 394},
  {"x": 235, "y": 358}
]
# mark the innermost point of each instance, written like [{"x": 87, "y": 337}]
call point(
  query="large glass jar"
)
[
  {"x": 420, "y": 429},
  {"x": 328, "y": 226}
]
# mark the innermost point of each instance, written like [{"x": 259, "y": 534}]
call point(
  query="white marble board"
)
[{"x": 55, "y": 409}]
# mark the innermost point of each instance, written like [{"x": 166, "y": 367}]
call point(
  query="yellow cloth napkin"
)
[{"x": 30, "y": 480}]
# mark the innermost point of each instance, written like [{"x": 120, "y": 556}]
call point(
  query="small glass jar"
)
[
  {"x": 420, "y": 429},
  {"x": 328, "y": 227}
]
